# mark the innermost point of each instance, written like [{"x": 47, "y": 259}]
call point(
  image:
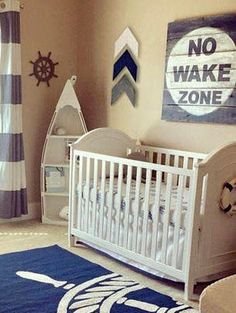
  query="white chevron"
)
[{"x": 126, "y": 38}]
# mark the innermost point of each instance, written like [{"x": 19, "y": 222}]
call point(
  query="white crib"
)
[{"x": 164, "y": 217}]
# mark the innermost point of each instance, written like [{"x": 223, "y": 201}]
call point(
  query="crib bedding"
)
[
  {"x": 121, "y": 204},
  {"x": 142, "y": 267},
  {"x": 170, "y": 242}
]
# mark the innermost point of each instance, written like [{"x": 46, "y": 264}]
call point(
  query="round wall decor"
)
[{"x": 43, "y": 68}]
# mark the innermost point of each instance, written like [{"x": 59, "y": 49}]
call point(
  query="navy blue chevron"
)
[
  {"x": 125, "y": 60},
  {"x": 124, "y": 85}
]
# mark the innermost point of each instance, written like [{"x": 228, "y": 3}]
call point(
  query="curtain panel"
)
[{"x": 13, "y": 195}]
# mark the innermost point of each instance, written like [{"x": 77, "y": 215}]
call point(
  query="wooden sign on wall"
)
[{"x": 200, "y": 73}]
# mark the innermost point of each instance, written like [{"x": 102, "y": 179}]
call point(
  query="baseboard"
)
[{"x": 34, "y": 212}]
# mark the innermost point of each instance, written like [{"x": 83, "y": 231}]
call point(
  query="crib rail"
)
[
  {"x": 176, "y": 158},
  {"x": 132, "y": 208},
  {"x": 171, "y": 157}
]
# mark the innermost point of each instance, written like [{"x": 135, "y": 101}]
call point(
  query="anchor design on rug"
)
[{"x": 100, "y": 294}]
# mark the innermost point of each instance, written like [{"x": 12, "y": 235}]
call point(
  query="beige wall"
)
[
  {"x": 46, "y": 25},
  {"x": 148, "y": 19},
  {"x": 81, "y": 36}
]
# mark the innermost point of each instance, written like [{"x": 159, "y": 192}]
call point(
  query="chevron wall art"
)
[{"x": 125, "y": 69}]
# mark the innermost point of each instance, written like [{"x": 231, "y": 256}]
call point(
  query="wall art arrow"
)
[
  {"x": 125, "y": 60},
  {"x": 127, "y": 38},
  {"x": 124, "y": 85}
]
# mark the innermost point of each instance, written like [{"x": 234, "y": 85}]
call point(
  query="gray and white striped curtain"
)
[{"x": 13, "y": 197}]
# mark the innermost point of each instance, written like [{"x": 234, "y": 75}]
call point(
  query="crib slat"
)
[
  {"x": 178, "y": 217},
  {"x": 118, "y": 210},
  {"x": 195, "y": 161},
  {"x": 167, "y": 162},
  {"x": 136, "y": 210},
  {"x": 185, "y": 165},
  {"x": 176, "y": 164},
  {"x": 80, "y": 190},
  {"x": 95, "y": 182},
  {"x": 110, "y": 201},
  {"x": 87, "y": 196},
  {"x": 150, "y": 157},
  {"x": 158, "y": 158},
  {"x": 101, "y": 209},
  {"x": 166, "y": 218},
  {"x": 156, "y": 214},
  {"x": 127, "y": 206},
  {"x": 73, "y": 191},
  {"x": 189, "y": 212},
  {"x": 146, "y": 211}
]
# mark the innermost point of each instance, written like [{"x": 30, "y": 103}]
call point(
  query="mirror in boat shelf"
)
[{"x": 64, "y": 213}]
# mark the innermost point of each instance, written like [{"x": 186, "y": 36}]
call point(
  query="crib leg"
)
[
  {"x": 189, "y": 290},
  {"x": 71, "y": 241}
]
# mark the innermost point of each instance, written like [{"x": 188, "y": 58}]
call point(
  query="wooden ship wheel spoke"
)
[{"x": 43, "y": 68}]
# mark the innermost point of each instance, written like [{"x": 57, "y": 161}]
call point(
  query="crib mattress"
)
[{"x": 121, "y": 204}]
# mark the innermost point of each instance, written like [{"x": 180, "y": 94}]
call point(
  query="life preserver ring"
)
[{"x": 226, "y": 204}]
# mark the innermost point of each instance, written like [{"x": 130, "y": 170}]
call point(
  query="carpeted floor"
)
[{"x": 25, "y": 235}]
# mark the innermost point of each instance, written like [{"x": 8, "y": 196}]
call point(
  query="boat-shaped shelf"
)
[{"x": 66, "y": 126}]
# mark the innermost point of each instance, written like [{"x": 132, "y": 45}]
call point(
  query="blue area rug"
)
[{"x": 53, "y": 280}]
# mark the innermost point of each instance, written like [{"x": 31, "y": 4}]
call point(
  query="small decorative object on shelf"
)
[
  {"x": 55, "y": 179},
  {"x": 69, "y": 142},
  {"x": 60, "y": 131},
  {"x": 43, "y": 68},
  {"x": 64, "y": 213},
  {"x": 66, "y": 126}
]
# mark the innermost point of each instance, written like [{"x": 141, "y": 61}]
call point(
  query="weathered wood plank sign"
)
[{"x": 200, "y": 72}]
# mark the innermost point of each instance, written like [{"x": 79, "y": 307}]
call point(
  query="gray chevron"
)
[{"x": 124, "y": 85}]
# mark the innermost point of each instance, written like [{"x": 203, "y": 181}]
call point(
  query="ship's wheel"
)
[
  {"x": 101, "y": 294},
  {"x": 43, "y": 68}
]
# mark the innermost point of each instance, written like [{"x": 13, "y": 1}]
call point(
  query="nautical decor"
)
[
  {"x": 200, "y": 72},
  {"x": 64, "y": 213},
  {"x": 125, "y": 58},
  {"x": 59, "y": 131},
  {"x": 54, "y": 280},
  {"x": 13, "y": 192},
  {"x": 55, "y": 180},
  {"x": 67, "y": 126},
  {"x": 43, "y": 68},
  {"x": 228, "y": 197}
]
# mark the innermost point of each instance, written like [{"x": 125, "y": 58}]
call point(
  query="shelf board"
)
[
  {"x": 66, "y": 165},
  {"x": 54, "y": 221},
  {"x": 64, "y": 136},
  {"x": 60, "y": 194},
  {"x": 56, "y": 165}
]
